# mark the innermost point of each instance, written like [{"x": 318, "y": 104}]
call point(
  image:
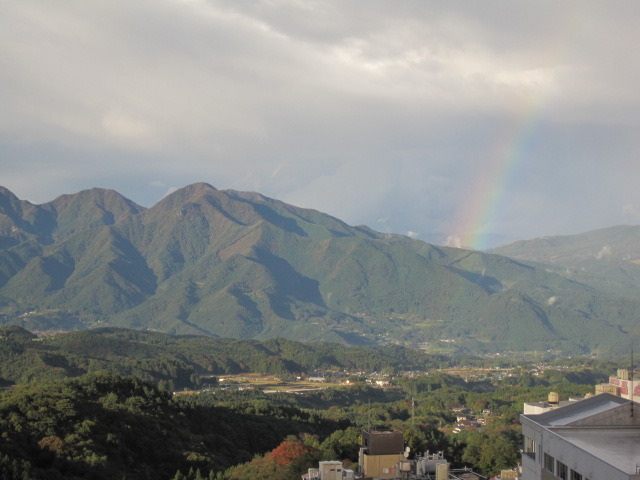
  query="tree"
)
[{"x": 341, "y": 445}]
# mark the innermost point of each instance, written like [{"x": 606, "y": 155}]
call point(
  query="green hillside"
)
[
  {"x": 102, "y": 426},
  {"x": 607, "y": 259},
  {"x": 182, "y": 361},
  {"x": 236, "y": 264}
]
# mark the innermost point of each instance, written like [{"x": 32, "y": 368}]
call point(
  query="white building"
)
[
  {"x": 597, "y": 438},
  {"x": 330, "y": 470},
  {"x": 552, "y": 403},
  {"x": 621, "y": 384}
]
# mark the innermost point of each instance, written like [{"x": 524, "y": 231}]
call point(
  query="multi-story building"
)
[
  {"x": 621, "y": 384},
  {"x": 597, "y": 438},
  {"x": 380, "y": 452}
]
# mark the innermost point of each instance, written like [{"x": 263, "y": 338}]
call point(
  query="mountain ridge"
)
[
  {"x": 225, "y": 263},
  {"x": 606, "y": 258}
]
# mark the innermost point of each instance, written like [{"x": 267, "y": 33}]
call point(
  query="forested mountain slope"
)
[
  {"x": 102, "y": 426},
  {"x": 607, "y": 259},
  {"x": 237, "y": 264},
  {"x": 176, "y": 362}
]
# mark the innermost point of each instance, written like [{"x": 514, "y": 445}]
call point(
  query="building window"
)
[
  {"x": 529, "y": 448},
  {"x": 575, "y": 475},
  {"x": 562, "y": 471},
  {"x": 549, "y": 462}
]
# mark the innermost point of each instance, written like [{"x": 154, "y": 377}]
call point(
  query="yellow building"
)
[{"x": 380, "y": 453}]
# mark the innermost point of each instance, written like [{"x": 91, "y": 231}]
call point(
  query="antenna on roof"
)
[{"x": 413, "y": 411}]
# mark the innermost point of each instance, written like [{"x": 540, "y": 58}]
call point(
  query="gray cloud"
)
[{"x": 364, "y": 110}]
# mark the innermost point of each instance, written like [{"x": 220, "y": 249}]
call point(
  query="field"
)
[{"x": 272, "y": 384}]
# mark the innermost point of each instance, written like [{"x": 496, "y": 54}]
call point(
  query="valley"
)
[{"x": 226, "y": 407}]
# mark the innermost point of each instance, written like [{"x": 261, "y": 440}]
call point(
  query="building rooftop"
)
[
  {"x": 579, "y": 410},
  {"x": 604, "y": 426},
  {"x": 619, "y": 447}
]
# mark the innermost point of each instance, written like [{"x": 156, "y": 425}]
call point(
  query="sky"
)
[{"x": 463, "y": 123}]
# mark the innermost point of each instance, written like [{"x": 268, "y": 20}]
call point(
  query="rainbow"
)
[
  {"x": 490, "y": 194},
  {"x": 479, "y": 215}
]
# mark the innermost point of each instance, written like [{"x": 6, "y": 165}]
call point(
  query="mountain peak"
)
[
  {"x": 195, "y": 189},
  {"x": 8, "y": 200},
  {"x": 98, "y": 196},
  {"x": 6, "y": 192},
  {"x": 91, "y": 208},
  {"x": 188, "y": 193}
]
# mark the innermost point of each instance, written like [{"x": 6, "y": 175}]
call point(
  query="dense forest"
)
[
  {"x": 106, "y": 426},
  {"x": 98, "y": 405},
  {"x": 173, "y": 362}
]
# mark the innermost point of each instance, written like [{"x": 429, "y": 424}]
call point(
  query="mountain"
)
[
  {"x": 607, "y": 259},
  {"x": 235, "y": 264}
]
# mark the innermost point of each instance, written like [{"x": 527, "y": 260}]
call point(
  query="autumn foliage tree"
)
[
  {"x": 288, "y": 460},
  {"x": 287, "y": 452}
]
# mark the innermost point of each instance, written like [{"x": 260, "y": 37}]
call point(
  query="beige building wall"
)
[
  {"x": 381, "y": 466},
  {"x": 606, "y": 388}
]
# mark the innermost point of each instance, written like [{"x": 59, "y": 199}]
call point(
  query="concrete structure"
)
[
  {"x": 621, "y": 384},
  {"x": 597, "y": 438},
  {"x": 380, "y": 453},
  {"x": 508, "y": 475},
  {"x": 330, "y": 470},
  {"x": 608, "y": 388},
  {"x": 421, "y": 467},
  {"x": 553, "y": 401}
]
